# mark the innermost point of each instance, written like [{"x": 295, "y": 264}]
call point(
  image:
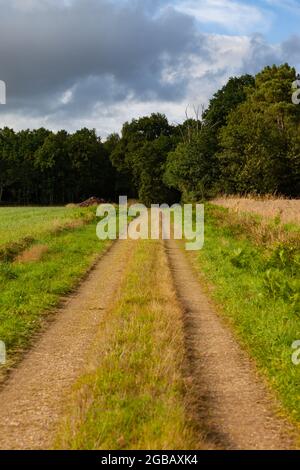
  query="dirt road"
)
[
  {"x": 232, "y": 404},
  {"x": 33, "y": 398}
]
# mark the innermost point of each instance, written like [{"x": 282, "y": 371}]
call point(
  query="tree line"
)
[{"x": 246, "y": 141}]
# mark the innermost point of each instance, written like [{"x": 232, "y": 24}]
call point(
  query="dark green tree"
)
[{"x": 259, "y": 143}]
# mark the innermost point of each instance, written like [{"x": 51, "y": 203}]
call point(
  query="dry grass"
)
[
  {"x": 33, "y": 254},
  {"x": 287, "y": 210},
  {"x": 261, "y": 231},
  {"x": 59, "y": 226}
]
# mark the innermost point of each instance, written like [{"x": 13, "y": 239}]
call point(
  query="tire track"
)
[
  {"x": 33, "y": 398},
  {"x": 230, "y": 402}
]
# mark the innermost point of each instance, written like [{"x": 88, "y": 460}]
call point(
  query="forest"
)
[{"x": 247, "y": 141}]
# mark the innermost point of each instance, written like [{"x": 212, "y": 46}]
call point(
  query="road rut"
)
[
  {"x": 232, "y": 405},
  {"x": 35, "y": 394}
]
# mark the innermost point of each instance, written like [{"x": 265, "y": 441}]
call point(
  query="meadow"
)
[{"x": 22, "y": 226}]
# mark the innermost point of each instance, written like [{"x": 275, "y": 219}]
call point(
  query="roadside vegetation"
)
[
  {"x": 252, "y": 269},
  {"x": 135, "y": 395},
  {"x": 62, "y": 246},
  {"x": 285, "y": 211}
]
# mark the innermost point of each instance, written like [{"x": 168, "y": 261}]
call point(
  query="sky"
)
[{"x": 69, "y": 64}]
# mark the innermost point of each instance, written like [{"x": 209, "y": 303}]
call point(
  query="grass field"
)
[
  {"x": 20, "y": 226},
  {"x": 59, "y": 247},
  {"x": 253, "y": 271}
]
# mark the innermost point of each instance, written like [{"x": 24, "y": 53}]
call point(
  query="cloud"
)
[
  {"x": 98, "y": 63},
  {"x": 53, "y": 47},
  {"x": 67, "y": 57},
  {"x": 291, "y": 5},
  {"x": 234, "y": 16},
  {"x": 260, "y": 54},
  {"x": 291, "y": 49}
]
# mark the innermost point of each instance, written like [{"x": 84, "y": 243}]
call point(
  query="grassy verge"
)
[
  {"x": 134, "y": 396},
  {"x": 253, "y": 272},
  {"x": 29, "y": 290}
]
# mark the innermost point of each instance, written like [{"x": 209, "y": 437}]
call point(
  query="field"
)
[
  {"x": 21, "y": 226},
  {"x": 142, "y": 350}
]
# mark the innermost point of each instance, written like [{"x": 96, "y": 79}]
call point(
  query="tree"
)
[
  {"x": 141, "y": 154},
  {"x": 9, "y": 173},
  {"x": 29, "y": 141},
  {"x": 52, "y": 162},
  {"x": 190, "y": 167},
  {"x": 91, "y": 169},
  {"x": 258, "y": 139},
  {"x": 193, "y": 168}
]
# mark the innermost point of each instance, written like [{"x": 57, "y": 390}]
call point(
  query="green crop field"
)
[{"x": 21, "y": 224}]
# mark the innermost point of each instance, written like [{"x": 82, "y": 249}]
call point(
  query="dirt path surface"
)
[
  {"x": 34, "y": 396},
  {"x": 233, "y": 407}
]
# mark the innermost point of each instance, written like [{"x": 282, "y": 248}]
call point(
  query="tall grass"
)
[{"x": 271, "y": 207}]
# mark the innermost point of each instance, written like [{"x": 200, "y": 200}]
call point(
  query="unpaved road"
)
[
  {"x": 233, "y": 406},
  {"x": 34, "y": 396}
]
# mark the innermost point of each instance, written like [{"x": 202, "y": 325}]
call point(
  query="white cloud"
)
[
  {"x": 235, "y": 16},
  {"x": 67, "y": 97},
  {"x": 292, "y": 5}
]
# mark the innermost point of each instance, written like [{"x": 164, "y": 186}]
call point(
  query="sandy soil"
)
[{"x": 233, "y": 407}]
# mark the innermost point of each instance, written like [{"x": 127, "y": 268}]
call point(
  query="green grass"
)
[
  {"x": 20, "y": 226},
  {"x": 135, "y": 397},
  {"x": 256, "y": 284},
  {"x": 30, "y": 290}
]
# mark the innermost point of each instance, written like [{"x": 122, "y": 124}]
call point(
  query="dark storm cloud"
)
[
  {"x": 100, "y": 62},
  {"x": 48, "y": 47}
]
